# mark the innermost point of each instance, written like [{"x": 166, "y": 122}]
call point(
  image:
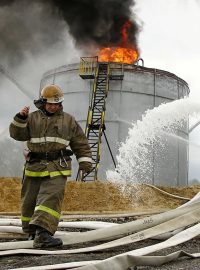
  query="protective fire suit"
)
[{"x": 44, "y": 178}]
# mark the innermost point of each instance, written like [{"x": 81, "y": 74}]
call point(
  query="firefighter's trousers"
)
[{"x": 42, "y": 199}]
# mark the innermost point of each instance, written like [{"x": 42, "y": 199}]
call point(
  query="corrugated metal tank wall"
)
[{"x": 141, "y": 89}]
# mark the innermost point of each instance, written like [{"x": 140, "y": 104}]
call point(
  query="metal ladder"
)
[
  {"x": 95, "y": 120},
  {"x": 101, "y": 73}
]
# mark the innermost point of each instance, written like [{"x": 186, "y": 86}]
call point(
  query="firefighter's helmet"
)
[{"x": 52, "y": 94}]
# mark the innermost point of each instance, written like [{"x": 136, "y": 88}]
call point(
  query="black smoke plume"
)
[
  {"x": 98, "y": 22},
  {"x": 29, "y": 27}
]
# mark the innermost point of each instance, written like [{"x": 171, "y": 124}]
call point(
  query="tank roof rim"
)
[{"x": 127, "y": 68}]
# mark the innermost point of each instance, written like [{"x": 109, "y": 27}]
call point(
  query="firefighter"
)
[{"x": 48, "y": 132}]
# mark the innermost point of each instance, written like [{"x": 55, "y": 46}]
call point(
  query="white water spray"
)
[{"x": 134, "y": 162}]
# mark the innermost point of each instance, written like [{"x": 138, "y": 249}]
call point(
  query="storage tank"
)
[{"x": 140, "y": 89}]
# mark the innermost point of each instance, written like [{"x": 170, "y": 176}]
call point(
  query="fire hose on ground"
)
[
  {"x": 77, "y": 224},
  {"x": 135, "y": 257},
  {"x": 13, "y": 226},
  {"x": 186, "y": 215},
  {"x": 167, "y": 193},
  {"x": 126, "y": 260},
  {"x": 114, "y": 231},
  {"x": 135, "y": 261},
  {"x": 172, "y": 224}
]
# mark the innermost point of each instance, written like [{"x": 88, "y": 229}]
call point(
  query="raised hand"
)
[{"x": 25, "y": 111}]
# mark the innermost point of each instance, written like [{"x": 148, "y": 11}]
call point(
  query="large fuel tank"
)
[{"x": 140, "y": 89}]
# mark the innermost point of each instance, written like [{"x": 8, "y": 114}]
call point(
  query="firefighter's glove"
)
[{"x": 86, "y": 167}]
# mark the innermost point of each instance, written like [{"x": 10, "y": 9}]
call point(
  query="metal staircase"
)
[
  {"x": 96, "y": 113},
  {"x": 90, "y": 68}
]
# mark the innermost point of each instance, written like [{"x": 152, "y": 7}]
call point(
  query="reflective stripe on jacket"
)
[{"x": 47, "y": 134}]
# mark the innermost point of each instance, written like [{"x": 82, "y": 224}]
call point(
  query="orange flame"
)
[{"x": 124, "y": 53}]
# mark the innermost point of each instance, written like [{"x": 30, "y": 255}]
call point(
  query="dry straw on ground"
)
[{"x": 100, "y": 197}]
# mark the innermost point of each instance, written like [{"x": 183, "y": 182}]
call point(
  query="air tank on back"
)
[{"x": 140, "y": 89}]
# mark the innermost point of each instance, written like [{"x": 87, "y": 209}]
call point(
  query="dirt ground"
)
[
  {"x": 184, "y": 263},
  {"x": 103, "y": 198}
]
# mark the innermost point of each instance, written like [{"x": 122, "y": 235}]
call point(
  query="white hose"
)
[
  {"x": 170, "y": 234},
  {"x": 14, "y": 226},
  {"x": 80, "y": 224},
  {"x": 11, "y": 229},
  {"x": 121, "y": 229},
  {"x": 18, "y": 230},
  {"x": 185, "y": 215},
  {"x": 135, "y": 261},
  {"x": 10, "y": 222},
  {"x": 167, "y": 193},
  {"x": 77, "y": 224},
  {"x": 65, "y": 216},
  {"x": 109, "y": 215},
  {"x": 126, "y": 260},
  {"x": 182, "y": 216},
  {"x": 196, "y": 198},
  {"x": 113, "y": 231},
  {"x": 178, "y": 222}
]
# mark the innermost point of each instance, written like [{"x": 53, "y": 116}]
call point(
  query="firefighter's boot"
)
[
  {"x": 31, "y": 236},
  {"x": 44, "y": 239}
]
